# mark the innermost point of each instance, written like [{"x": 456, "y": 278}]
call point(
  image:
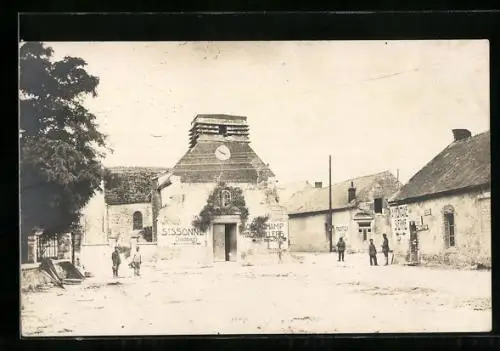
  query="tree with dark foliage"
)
[{"x": 60, "y": 145}]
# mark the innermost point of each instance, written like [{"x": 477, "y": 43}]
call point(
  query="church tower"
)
[
  {"x": 219, "y": 151},
  {"x": 222, "y": 128}
]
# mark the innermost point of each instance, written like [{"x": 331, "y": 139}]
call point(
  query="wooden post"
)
[{"x": 73, "y": 247}]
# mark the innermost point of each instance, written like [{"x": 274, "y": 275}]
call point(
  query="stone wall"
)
[
  {"x": 120, "y": 219},
  {"x": 33, "y": 278},
  {"x": 472, "y": 231}
]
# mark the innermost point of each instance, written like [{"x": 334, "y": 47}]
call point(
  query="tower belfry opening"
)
[
  {"x": 218, "y": 128},
  {"x": 223, "y": 130}
]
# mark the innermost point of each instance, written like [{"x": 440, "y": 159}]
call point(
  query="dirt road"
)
[{"x": 319, "y": 295}]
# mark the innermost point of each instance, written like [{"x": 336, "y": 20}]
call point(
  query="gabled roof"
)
[
  {"x": 287, "y": 190},
  {"x": 200, "y": 165},
  {"x": 316, "y": 199},
  {"x": 127, "y": 185},
  {"x": 462, "y": 164}
]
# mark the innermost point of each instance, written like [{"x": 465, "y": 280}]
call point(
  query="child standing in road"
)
[
  {"x": 115, "y": 258},
  {"x": 136, "y": 260},
  {"x": 372, "y": 250}
]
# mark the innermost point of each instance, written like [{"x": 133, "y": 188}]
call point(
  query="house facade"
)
[
  {"x": 220, "y": 201},
  {"x": 443, "y": 213},
  {"x": 360, "y": 212}
]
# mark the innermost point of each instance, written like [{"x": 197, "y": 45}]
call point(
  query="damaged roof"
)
[
  {"x": 128, "y": 185},
  {"x": 316, "y": 199},
  {"x": 200, "y": 165},
  {"x": 462, "y": 164}
]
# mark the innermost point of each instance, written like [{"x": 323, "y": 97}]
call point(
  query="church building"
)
[{"x": 220, "y": 201}]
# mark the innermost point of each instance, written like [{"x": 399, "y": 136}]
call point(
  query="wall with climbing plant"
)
[{"x": 187, "y": 212}]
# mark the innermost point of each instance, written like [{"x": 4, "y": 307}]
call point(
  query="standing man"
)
[
  {"x": 115, "y": 258},
  {"x": 136, "y": 260},
  {"x": 341, "y": 249},
  {"x": 385, "y": 249},
  {"x": 373, "y": 254}
]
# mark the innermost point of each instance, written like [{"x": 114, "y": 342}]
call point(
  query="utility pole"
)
[
  {"x": 397, "y": 177},
  {"x": 330, "y": 220}
]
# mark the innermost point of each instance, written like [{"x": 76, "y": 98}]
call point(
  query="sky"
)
[{"x": 371, "y": 105}]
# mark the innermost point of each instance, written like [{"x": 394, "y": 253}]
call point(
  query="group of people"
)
[
  {"x": 372, "y": 250},
  {"x": 135, "y": 263}
]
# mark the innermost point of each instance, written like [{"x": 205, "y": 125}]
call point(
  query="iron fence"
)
[{"x": 48, "y": 247}]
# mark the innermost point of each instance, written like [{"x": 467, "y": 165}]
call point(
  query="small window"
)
[
  {"x": 225, "y": 198},
  {"x": 137, "y": 220},
  {"x": 377, "y": 205}
]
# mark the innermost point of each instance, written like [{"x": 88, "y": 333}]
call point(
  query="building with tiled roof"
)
[
  {"x": 359, "y": 213},
  {"x": 315, "y": 199},
  {"x": 129, "y": 185},
  {"x": 443, "y": 212},
  {"x": 219, "y": 171},
  {"x": 463, "y": 165}
]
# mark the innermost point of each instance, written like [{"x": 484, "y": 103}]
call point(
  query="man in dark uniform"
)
[
  {"x": 372, "y": 251},
  {"x": 385, "y": 249},
  {"x": 115, "y": 258},
  {"x": 341, "y": 249}
]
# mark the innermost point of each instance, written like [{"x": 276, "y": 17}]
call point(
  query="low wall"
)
[
  {"x": 33, "y": 278},
  {"x": 456, "y": 259},
  {"x": 149, "y": 252},
  {"x": 96, "y": 258}
]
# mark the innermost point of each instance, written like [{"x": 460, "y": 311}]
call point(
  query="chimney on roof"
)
[
  {"x": 461, "y": 134},
  {"x": 351, "y": 193},
  {"x": 318, "y": 184}
]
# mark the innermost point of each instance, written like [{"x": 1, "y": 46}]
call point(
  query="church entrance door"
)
[{"x": 224, "y": 242}]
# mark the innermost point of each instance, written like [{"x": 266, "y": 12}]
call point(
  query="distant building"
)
[
  {"x": 448, "y": 204},
  {"x": 359, "y": 211},
  {"x": 221, "y": 172}
]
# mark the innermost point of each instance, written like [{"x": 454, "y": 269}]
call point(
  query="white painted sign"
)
[
  {"x": 400, "y": 220},
  {"x": 182, "y": 234},
  {"x": 341, "y": 230}
]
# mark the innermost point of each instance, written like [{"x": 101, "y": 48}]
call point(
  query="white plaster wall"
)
[
  {"x": 181, "y": 202},
  {"x": 470, "y": 238},
  {"x": 93, "y": 220},
  {"x": 307, "y": 234}
]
